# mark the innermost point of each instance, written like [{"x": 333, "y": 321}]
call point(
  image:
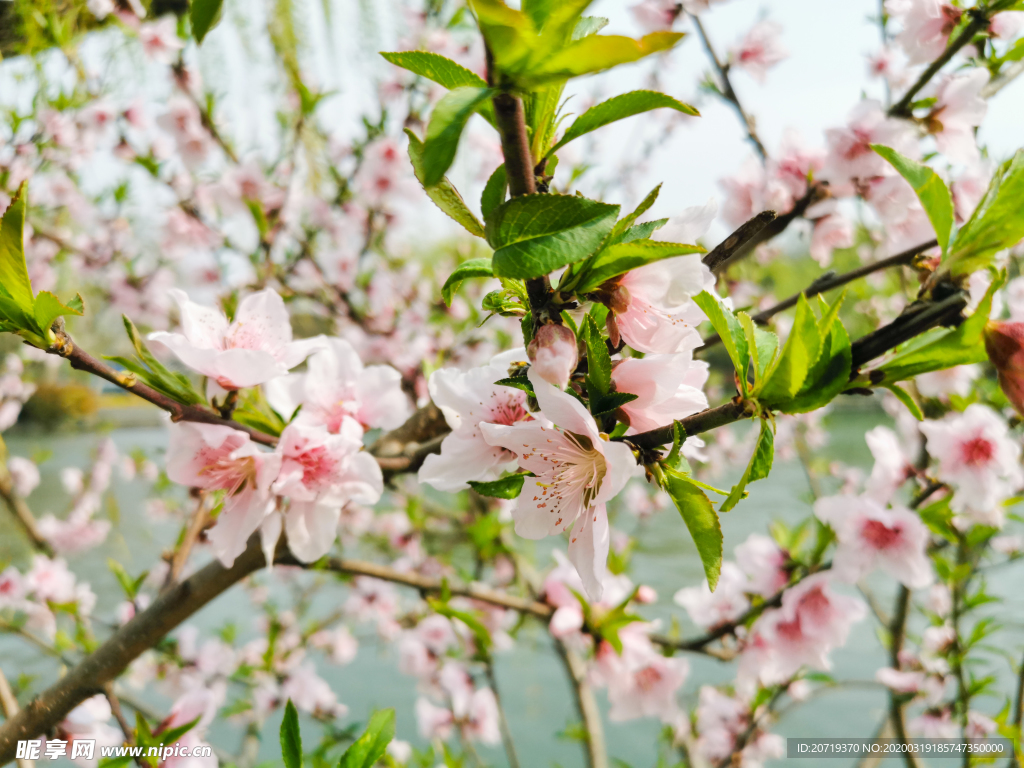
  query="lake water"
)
[{"x": 531, "y": 679}]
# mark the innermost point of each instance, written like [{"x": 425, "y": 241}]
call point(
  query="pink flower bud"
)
[
  {"x": 553, "y": 354},
  {"x": 646, "y": 594},
  {"x": 1004, "y": 343}
]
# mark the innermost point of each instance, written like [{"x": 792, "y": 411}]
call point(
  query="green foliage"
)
[
  {"x": 466, "y": 270},
  {"x": 619, "y": 258},
  {"x": 154, "y": 373},
  {"x": 800, "y": 351},
  {"x": 204, "y": 15},
  {"x": 533, "y": 235},
  {"x": 443, "y": 193},
  {"x": 494, "y": 192},
  {"x": 442, "y": 71},
  {"x": 734, "y": 338},
  {"x": 508, "y": 487},
  {"x": 369, "y": 748},
  {"x": 130, "y": 586},
  {"x": 627, "y": 221},
  {"x": 599, "y": 361},
  {"x": 700, "y": 518},
  {"x": 931, "y": 190},
  {"x": 764, "y": 345},
  {"x": 996, "y": 223},
  {"x": 938, "y": 349},
  {"x": 617, "y": 108},
  {"x": 21, "y": 311},
  {"x": 445, "y": 129},
  {"x": 758, "y": 468},
  {"x": 291, "y": 738},
  {"x": 598, "y": 53},
  {"x": 254, "y": 411}
]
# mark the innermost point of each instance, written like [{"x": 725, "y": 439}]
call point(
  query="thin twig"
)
[
  {"x": 586, "y": 705},
  {"x": 727, "y": 91},
  {"x": 181, "y": 554},
  {"x": 21, "y": 512},
  {"x": 9, "y": 708},
  {"x": 897, "y": 633},
  {"x": 506, "y": 731}
]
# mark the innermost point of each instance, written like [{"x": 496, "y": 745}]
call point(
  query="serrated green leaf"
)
[
  {"x": 154, "y": 373},
  {"x": 930, "y": 189},
  {"x": 757, "y": 469},
  {"x": 48, "y": 308},
  {"x": 618, "y": 108},
  {"x": 174, "y": 735},
  {"x": 533, "y": 235},
  {"x": 612, "y": 401},
  {"x": 729, "y": 329},
  {"x": 518, "y": 382},
  {"x": 641, "y": 231},
  {"x": 445, "y": 129},
  {"x": 620, "y": 258},
  {"x": 437, "y": 68},
  {"x": 599, "y": 362},
  {"x": 764, "y": 345},
  {"x": 291, "y": 737},
  {"x": 629, "y": 219},
  {"x": 996, "y": 223},
  {"x": 784, "y": 380},
  {"x": 508, "y": 487},
  {"x": 443, "y": 193},
  {"x": 77, "y": 304},
  {"x": 204, "y": 15},
  {"x": 369, "y": 748},
  {"x": 699, "y": 515},
  {"x": 829, "y": 375},
  {"x": 14, "y": 279},
  {"x": 596, "y": 53},
  {"x": 466, "y": 270},
  {"x": 494, "y": 192}
]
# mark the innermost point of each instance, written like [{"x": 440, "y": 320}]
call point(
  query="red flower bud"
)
[
  {"x": 553, "y": 353},
  {"x": 1004, "y": 343}
]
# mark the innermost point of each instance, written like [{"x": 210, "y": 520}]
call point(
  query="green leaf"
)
[
  {"x": 494, "y": 192},
  {"x": 996, "y": 224},
  {"x": 510, "y": 35},
  {"x": 904, "y": 397},
  {"x": 127, "y": 582},
  {"x": 77, "y": 305},
  {"x": 254, "y": 411},
  {"x": 700, "y": 518},
  {"x": 829, "y": 375},
  {"x": 48, "y": 308},
  {"x": 204, "y": 15},
  {"x": 516, "y": 382},
  {"x": 931, "y": 190},
  {"x": 641, "y": 231},
  {"x": 589, "y": 25},
  {"x": 508, "y": 487},
  {"x": 369, "y": 748},
  {"x": 535, "y": 234},
  {"x": 620, "y": 258},
  {"x": 597, "y": 53},
  {"x": 443, "y": 193},
  {"x": 941, "y": 348},
  {"x": 175, "y": 385},
  {"x": 174, "y": 735},
  {"x": 758, "y": 468},
  {"x": 617, "y": 108},
  {"x": 629, "y": 219},
  {"x": 599, "y": 362},
  {"x": 466, "y": 270},
  {"x": 445, "y": 129},
  {"x": 764, "y": 344},
  {"x": 611, "y": 401},
  {"x": 291, "y": 738},
  {"x": 733, "y": 337},
  {"x": 784, "y": 380},
  {"x": 14, "y": 279},
  {"x": 437, "y": 68}
]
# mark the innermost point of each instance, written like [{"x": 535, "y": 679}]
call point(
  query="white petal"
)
[
  {"x": 563, "y": 409},
  {"x": 588, "y": 550},
  {"x": 461, "y": 459},
  {"x": 241, "y": 516},
  {"x": 312, "y": 529}
]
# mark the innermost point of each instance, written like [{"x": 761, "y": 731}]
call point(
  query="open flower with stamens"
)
[
  {"x": 577, "y": 471},
  {"x": 215, "y": 457},
  {"x": 467, "y": 399},
  {"x": 255, "y": 348},
  {"x": 320, "y": 473}
]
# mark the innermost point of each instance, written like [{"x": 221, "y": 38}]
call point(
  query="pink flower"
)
[
  {"x": 311, "y": 693},
  {"x": 892, "y": 464},
  {"x": 764, "y": 562},
  {"x": 50, "y": 581},
  {"x": 979, "y": 458},
  {"x": 641, "y": 681},
  {"x": 812, "y": 621},
  {"x": 790, "y": 169},
  {"x": 256, "y": 347},
  {"x": 927, "y": 25},
  {"x": 91, "y": 720},
  {"x": 320, "y": 473},
  {"x": 830, "y": 232},
  {"x": 849, "y": 149},
  {"x": 653, "y": 306},
  {"x": 160, "y": 40},
  {"x": 728, "y": 602},
  {"x": 214, "y": 457},
  {"x": 24, "y": 475},
  {"x": 744, "y": 192},
  {"x": 899, "y": 681},
  {"x": 76, "y": 534},
  {"x": 883, "y": 63},
  {"x": 183, "y": 122},
  {"x": 870, "y": 535},
  {"x": 577, "y": 470},
  {"x": 959, "y": 109},
  {"x": 553, "y": 354},
  {"x": 667, "y": 387},
  {"x": 467, "y": 399},
  {"x": 655, "y": 15},
  {"x": 337, "y": 386},
  {"x": 1006, "y": 25},
  {"x": 759, "y": 50}
]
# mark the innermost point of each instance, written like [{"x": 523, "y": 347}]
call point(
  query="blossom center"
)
[
  {"x": 977, "y": 451},
  {"x": 648, "y": 678},
  {"x": 233, "y": 475},
  {"x": 881, "y": 536},
  {"x": 572, "y": 478},
  {"x": 318, "y": 465}
]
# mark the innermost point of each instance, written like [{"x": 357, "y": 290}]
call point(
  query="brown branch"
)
[
  {"x": 915, "y": 319},
  {"x": 727, "y": 91},
  {"x": 712, "y": 418},
  {"x": 506, "y": 731},
  {"x": 897, "y": 633},
  {"x": 9, "y": 708},
  {"x": 111, "y": 659},
  {"x": 181, "y": 554},
  {"x": 510, "y": 121},
  {"x": 21, "y": 512},
  {"x": 586, "y": 705},
  {"x": 830, "y": 281},
  {"x": 748, "y": 230},
  {"x": 978, "y": 23}
]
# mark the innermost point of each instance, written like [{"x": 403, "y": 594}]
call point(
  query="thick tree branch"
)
[{"x": 111, "y": 659}]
